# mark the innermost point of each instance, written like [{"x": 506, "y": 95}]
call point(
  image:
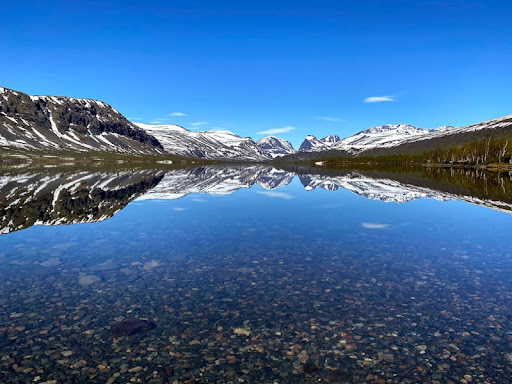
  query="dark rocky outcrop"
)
[{"x": 51, "y": 122}]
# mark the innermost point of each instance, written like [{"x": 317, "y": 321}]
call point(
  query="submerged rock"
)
[
  {"x": 311, "y": 368},
  {"x": 87, "y": 280},
  {"x": 131, "y": 327},
  {"x": 105, "y": 267},
  {"x": 53, "y": 262},
  {"x": 151, "y": 265},
  {"x": 242, "y": 331}
]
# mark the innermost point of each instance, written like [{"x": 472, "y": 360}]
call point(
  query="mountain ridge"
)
[
  {"x": 83, "y": 125},
  {"x": 217, "y": 144},
  {"x": 67, "y": 123}
]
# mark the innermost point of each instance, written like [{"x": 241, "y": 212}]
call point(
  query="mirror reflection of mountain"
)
[
  {"x": 492, "y": 190},
  {"x": 28, "y": 199},
  {"x": 489, "y": 189},
  {"x": 53, "y": 198},
  {"x": 217, "y": 180}
]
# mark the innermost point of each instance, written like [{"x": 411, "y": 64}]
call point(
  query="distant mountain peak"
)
[
  {"x": 275, "y": 146},
  {"x": 331, "y": 139},
  {"x": 217, "y": 144}
]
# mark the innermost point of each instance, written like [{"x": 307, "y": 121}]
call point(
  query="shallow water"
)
[{"x": 252, "y": 274}]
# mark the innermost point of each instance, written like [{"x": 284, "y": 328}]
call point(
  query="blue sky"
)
[{"x": 298, "y": 67}]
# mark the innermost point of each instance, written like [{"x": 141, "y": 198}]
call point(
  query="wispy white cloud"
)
[
  {"x": 379, "y": 99},
  {"x": 328, "y": 118},
  {"x": 198, "y": 123},
  {"x": 274, "y": 131},
  {"x": 280, "y": 195},
  {"x": 178, "y": 114},
  {"x": 197, "y": 200},
  {"x": 179, "y": 209},
  {"x": 374, "y": 225},
  {"x": 134, "y": 118}
]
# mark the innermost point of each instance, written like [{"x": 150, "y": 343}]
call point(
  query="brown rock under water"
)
[{"x": 131, "y": 327}]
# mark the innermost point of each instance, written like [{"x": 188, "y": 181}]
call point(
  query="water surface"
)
[{"x": 255, "y": 274}]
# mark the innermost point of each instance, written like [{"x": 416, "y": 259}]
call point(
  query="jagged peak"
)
[
  {"x": 272, "y": 139},
  {"x": 331, "y": 139},
  {"x": 269, "y": 138},
  {"x": 402, "y": 127}
]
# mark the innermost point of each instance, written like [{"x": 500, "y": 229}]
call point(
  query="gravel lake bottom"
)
[{"x": 304, "y": 287}]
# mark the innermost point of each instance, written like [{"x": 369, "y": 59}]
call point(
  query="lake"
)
[{"x": 255, "y": 274}]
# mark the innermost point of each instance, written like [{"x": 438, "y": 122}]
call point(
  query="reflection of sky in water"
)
[
  {"x": 290, "y": 217},
  {"x": 307, "y": 283}
]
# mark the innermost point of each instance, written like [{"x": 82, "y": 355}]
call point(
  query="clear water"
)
[{"x": 263, "y": 285}]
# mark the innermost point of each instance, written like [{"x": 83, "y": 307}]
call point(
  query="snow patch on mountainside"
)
[
  {"x": 392, "y": 135},
  {"x": 275, "y": 147},
  {"x": 383, "y": 136},
  {"x": 68, "y": 123},
  {"x": 216, "y": 144}
]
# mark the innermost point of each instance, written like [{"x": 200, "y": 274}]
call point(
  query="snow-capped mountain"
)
[
  {"x": 386, "y": 136},
  {"x": 312, "y": 143},
  {"x": 67, "y": 123},
  {"x": 275, "y": 147},
  {"x": 331, "y": 139},
  {"x": 216, "y": 144},
  {"x": 84, "y": 125},
  {"x": 398, "y": 136},
  {"x": 383, "y": 136}
]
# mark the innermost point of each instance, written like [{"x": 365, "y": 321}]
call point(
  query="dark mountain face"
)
[{"x": 50, "y": 122}]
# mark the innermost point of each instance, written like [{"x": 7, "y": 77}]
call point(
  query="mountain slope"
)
[
  {"x": 401, "y": 139},
  {"x": 312, "y": 143},
  {"x": 275, "y": 147},
  {"x": 216, "y": 145},
  {"x": 444, "y": 138},
  {"x": 66, "y": 123},
  {"x": 385, "y": 136}
]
